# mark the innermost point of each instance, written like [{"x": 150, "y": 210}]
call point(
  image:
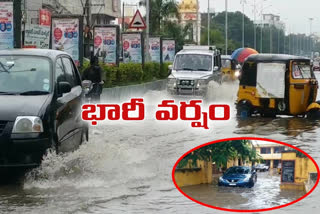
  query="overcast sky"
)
[{"x": 295, "y": 13}]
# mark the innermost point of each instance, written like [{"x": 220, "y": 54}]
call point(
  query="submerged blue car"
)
[{"x": 238, "y": 176}]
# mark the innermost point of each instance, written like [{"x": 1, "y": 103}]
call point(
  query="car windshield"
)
[
  {"x": 193, "y": 62},
  {"x": 237, "y": 170},
  {"x": 226, "y": 63},
  {"x": 24, "y": 75},
  {"x": 301, "y": 71}
]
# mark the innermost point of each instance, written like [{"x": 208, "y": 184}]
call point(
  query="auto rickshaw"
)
[
  {"x": 276, "y": 84},
  {"x": 229, "y": 67}
]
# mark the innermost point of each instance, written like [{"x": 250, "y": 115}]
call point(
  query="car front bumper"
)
[
  {"x": 235, "y": 184},
  {"x": 22, "y": 152}
]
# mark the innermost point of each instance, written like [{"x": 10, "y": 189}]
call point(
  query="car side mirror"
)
[
  {"x": 215, "y": 68},
  {"x": 63, "y": 87}
]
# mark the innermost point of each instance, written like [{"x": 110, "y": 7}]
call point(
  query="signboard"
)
[
  {"x": 155, "y": 49},
  {"x": 106, "y": 43},
  {"x": 137, "y": 21},
  {"x": 189, "y": 17},
  {"x": 6, "y": 25},
  {"x": 168, "y": 50},
  {"x": 44, "y": 17},
  {"x": 287, "y": 171},
  {"x": 37, "y": 36},
  {"x": 271, "y": 80},
  {"x": 132, "y": 47},
  {"x": 65, "y": 36}
]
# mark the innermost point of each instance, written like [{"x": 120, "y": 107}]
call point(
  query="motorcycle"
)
[{"x": 92, "y": 91}]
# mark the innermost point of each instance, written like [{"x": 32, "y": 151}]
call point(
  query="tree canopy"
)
[{"x": 221, "y": 152}]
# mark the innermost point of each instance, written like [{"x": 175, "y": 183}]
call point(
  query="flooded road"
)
[
  {"x": 126, "y": 167},
  {"x": 266, "y": 193}
]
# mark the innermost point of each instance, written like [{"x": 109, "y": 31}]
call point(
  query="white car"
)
[
  {"x": 193, "y": 68},
  {"x": 262, "y": 167}
]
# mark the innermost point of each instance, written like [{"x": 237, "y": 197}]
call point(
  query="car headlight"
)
[
  {"x": 221, "y": 179},
  {"x": 201, "y": 83},
  {"x": 25, "y": 124},
  {"x": 172, "y": 82},
  {"x": 246, "y": 179},
  {"x": 237, "y": 73}
]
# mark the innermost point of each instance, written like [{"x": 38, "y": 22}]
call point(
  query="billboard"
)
[
  {"x": 37, "y": 36},
  {"x": 6, "y": 25},
  {"x": 168, "y": 50},
  {"x": 132, "y": 47},
  {"x": 155, "y": 49},
  {"x": 44, "y": 17},
  {"x": 106, "y": 43},
  {"x": 65, "y": 36}
]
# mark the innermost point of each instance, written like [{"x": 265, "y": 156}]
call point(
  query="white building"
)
[{"x": 269, "y": 20}]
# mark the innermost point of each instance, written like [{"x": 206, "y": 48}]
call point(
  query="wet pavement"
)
[
  {"x": 266, "y": 193},
  {"x": 126, "y": 167}
]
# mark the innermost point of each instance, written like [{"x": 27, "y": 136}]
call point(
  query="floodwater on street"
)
[
  {"x": 126, "y": 166},
  {"x": 266, "y": 193}
]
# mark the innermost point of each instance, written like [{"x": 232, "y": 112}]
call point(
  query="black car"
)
[
  {"x": 40, "y": 106},
  {"x": 238, "y": 176}
]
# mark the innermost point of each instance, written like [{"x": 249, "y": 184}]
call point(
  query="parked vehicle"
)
[
  {"x": 41, "y": 98},
  {"x": 229, "y": 68},
  {"x": 238, "y": 176},
  {"x": 261, "y": 167},
  {"x": 193, "y": 68},
  {"x": 275, "y": 84}
]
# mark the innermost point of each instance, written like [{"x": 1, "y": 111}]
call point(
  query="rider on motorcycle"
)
[{"x": 93, "y": 73}]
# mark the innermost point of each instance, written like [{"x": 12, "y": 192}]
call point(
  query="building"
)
[
  {"x": 102, "y": 11},
  {"x": 189, "y": 14},
  {"x": 297, "y": 171},
  {"x": 269, "y": 20},
  {"x": 270, "y": 153}
]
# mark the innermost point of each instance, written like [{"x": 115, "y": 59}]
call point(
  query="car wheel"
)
[
  {"x": 244, "y": 110},
  {"x": 54, "y": 145}
]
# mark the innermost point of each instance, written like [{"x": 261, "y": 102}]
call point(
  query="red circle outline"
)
[{"x": 246, "y": 138}]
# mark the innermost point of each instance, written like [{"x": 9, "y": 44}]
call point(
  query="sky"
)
[{"x": 294, "y": 13}]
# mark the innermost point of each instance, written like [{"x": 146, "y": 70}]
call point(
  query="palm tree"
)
[{"x": 161, "y": 11}]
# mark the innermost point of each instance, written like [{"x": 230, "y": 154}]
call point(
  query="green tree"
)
[
  {"x": 220, "y": 153},
  {"x": 160, "y": 11}
]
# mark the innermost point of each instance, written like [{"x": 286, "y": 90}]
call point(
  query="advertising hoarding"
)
[
  {"x": 65, "y": 36},
  {"x": 168, "y": 50},
  {"x": 6, "y": 25},
  {"x": 106, "y": 43},
  {"x": 132, "y": 47}
]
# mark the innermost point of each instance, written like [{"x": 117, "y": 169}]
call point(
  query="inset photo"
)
[{"x": 246, "y": 174}]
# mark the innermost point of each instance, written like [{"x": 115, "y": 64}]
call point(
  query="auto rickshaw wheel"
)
[{"x": 244, "y": 110}]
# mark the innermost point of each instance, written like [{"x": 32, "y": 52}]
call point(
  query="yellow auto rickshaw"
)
[
  {"x": 276, "y": 84},
  {"x": 229, "y": 67}
]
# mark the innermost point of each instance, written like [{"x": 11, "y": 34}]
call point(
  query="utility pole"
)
[
  {"x": 243, "y": 3},
  {"x": 311, "y": 48},
  {"x": 17, "y": 16},
  {"x": 254, "y": 25},
  {"x": 147, "y": 28},
  {"x": 209, "y": 22},
  {"x": 88, "y": 12},
  {"x": 226, "y": 26}
]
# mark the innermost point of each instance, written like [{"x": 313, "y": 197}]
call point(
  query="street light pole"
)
[
  {"x": 254, "y": 25},
  {"x": 209, "y": 22},
  {"x": 311, "y": 48},
  {"x": 226, "y": 26},
  {"x": 147, "y": 28},
  {"x": 243, "y": 3}
]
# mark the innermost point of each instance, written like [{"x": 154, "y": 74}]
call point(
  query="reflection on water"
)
[{"x": 265, "y": 194}]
